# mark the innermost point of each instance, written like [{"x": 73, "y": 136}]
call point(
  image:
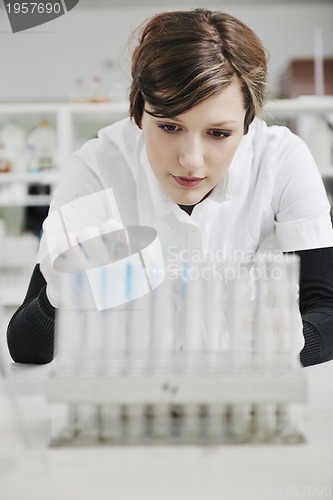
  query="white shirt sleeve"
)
[{"x": 300, "y": 204}]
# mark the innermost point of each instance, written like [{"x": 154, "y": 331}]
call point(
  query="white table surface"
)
[{"x": 33, "y": 471}]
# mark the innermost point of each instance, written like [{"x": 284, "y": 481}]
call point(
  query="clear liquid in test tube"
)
[
  {"x": 215, "y": 325},
  {"x": 267, "y": 306},
  {"x": 162, "y": 317},
  {"x": 240, "y": 304},
  {"x": 70, "y": 325},
  {"x": 192, "y": 319}
]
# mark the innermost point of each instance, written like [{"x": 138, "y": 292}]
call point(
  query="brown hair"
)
[{"x": 184, "y": 57}]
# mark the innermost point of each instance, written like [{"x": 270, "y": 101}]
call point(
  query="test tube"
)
[
  {"x": 265, "y": 358},
  {"x": 89, "y": 414},
  {"x": 192, "y": 342},
  {"x": 112, "y": 324},
  {"x": 215, "y": 337},
  {"x": 138, "y": 346},
  {"x": 162, "y": 320},
  {"x": 239, "y": 289},
  {"x": 71, "y": 336},
  {"x": 288, "y": 331}
]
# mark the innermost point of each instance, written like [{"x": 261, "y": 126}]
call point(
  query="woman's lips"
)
[{"x": 188, "y": 181}]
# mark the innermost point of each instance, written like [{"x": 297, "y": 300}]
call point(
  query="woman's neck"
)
[{"x": 187, "y": 208}]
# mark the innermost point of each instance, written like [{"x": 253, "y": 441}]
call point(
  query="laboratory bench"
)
[{"x": 32, "y": 470}]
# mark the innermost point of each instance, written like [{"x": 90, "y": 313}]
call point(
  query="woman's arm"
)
[
  {"x": 316, "y": 305},
  {"x": 30, "y": 333}
]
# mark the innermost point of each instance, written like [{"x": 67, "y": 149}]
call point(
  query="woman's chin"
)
[
  {"x": 186, "y": 197},
  {"x": 190, "y": 199}
]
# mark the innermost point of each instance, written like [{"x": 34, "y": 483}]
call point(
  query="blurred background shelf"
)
[{"x": 299, "y": 105}]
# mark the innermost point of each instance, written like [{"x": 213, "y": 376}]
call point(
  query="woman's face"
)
[{"x": 191, "y": 153}]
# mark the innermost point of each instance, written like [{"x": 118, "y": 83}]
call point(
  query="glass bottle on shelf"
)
[
  {"x": 117, "y": 92},
  {"x": 13, "y": 138},
  {"x": 5, "y": 165},
  {"x": 31, "y": 160},
  {"x": 78, "y": 93},
  {"x": 41, "y": 147},
  {"x": 97, "y": 93}
]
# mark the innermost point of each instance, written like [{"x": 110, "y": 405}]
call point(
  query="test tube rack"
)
[{"x": 196, "y": 361}]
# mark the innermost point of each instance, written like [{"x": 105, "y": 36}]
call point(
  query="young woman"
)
[{"x": 196, "y": 163}]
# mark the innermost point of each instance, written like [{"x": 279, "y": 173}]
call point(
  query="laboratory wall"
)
[{"x": 43, "y": 63}]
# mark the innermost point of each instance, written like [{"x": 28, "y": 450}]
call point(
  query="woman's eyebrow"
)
[
  {"x": 224, "y": 123},
  {"x": 177, "y": 119}
]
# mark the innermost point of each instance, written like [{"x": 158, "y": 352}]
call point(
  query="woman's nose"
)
[{"x": 191, "y": 154}]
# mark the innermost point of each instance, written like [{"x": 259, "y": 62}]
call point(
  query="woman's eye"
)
[
  {"x": 219, "y": 134},
  {"x": 167, "y": 127}
]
